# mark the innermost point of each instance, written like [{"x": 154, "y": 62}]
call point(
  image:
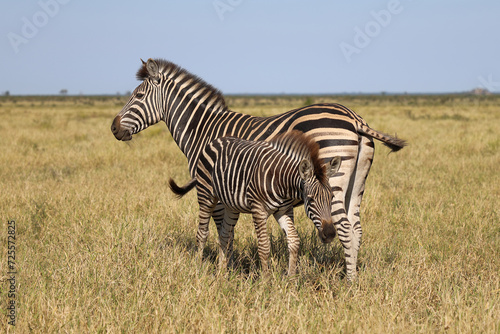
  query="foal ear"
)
[
  {"x": 153, "y": 69},
  {"x": 333, "y": 166},
  {"x": 305, "y": 170}
]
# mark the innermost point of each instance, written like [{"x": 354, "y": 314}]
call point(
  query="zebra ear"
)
[
  {"x": 153, "y": 69},
  {"x": 333, "y": 166},
  {"x": 305, "y": 170}
]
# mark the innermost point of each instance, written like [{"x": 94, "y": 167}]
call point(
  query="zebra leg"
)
[
  {"x": 341, "y": 184},
  {"x": 286, "y": 223},
  {"x": 259, "y": 216},
  {"x": 218, "y": 216},
  {"x": 226, "y": 238},
  {"x": 206, "y": 210},
  {"x": 344, "y": 231},
  {"x": 365, "y": 159}
]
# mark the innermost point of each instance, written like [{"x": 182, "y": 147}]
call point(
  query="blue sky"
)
[{"x": 245, "y": 46}]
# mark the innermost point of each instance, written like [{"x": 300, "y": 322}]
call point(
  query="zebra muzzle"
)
[
  {"x": 118, "y": 131},
  {"x": 328, "y": 232}
]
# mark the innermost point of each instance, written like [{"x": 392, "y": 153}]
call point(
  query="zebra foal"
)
[{"x": 263, "y": 179}]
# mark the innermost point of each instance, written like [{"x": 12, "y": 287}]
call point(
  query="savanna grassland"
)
[{"x": 102, "y": 245}]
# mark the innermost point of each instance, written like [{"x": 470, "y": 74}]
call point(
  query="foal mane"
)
[{"x": 299, "y": 146}]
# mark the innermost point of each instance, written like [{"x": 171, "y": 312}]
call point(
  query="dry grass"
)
[{"x": 103, "y": 246}]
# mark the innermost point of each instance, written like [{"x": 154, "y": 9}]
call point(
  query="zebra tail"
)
[
  {"x": 181, "y": 191},
  {"x": 394, "y": 143}
]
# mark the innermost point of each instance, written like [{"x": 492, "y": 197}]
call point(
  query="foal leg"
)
[
  {"x": 286, "y": 223},
  {"x": 259, "y": 216},
  {"x": 218, "y": 216},
  {"x": 206, "y": 209},
  {"x": 226, "y": 238}
]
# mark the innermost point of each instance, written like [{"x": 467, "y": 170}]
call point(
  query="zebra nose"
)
[
  {"x": 328, "y": 231},
  {"x": 121, "y": 133},
  {"x": 115, "y": 126}
]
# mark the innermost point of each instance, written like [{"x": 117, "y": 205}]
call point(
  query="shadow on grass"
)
[{"x": 315, "y": 258}]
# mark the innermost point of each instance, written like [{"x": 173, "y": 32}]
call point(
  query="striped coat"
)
[
  {"x": 264, "y": 178},
  {"x": 196, "y": 114}
]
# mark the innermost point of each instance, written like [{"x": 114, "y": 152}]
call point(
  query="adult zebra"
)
[
  {"x": 196, "y": 113},
  {"x": 264, "y": 178}
]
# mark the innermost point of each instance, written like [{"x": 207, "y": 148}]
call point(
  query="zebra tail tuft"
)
[
  {"x": 395, "y": 144},
  {"x": 181, "y": 191}
]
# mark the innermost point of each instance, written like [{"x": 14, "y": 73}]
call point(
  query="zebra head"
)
[
  {"x": 145, "y": 106},
  {"x": 318, "y": 195}
]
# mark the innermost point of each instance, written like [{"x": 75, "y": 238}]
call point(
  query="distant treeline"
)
[{"x": 285, "y": 99}]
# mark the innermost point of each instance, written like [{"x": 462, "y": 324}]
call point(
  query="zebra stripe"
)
[
  {"x": 263, "y": 178},
  {"x": 196, "y": 113}
]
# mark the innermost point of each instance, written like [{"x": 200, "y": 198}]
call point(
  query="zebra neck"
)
[
  {"x": 194, "y": 122},
  {"x": 292, "y": 187}
]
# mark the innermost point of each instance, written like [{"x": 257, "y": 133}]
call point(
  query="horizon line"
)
[{"x": 383, "y": 93}]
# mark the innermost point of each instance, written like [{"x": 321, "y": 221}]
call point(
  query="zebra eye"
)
[{"x": 139, "y": 95}]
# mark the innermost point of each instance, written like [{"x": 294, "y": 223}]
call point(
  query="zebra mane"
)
[
  {"x": 299, "y": 146},
  {"x": 183, "y": 76}
]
